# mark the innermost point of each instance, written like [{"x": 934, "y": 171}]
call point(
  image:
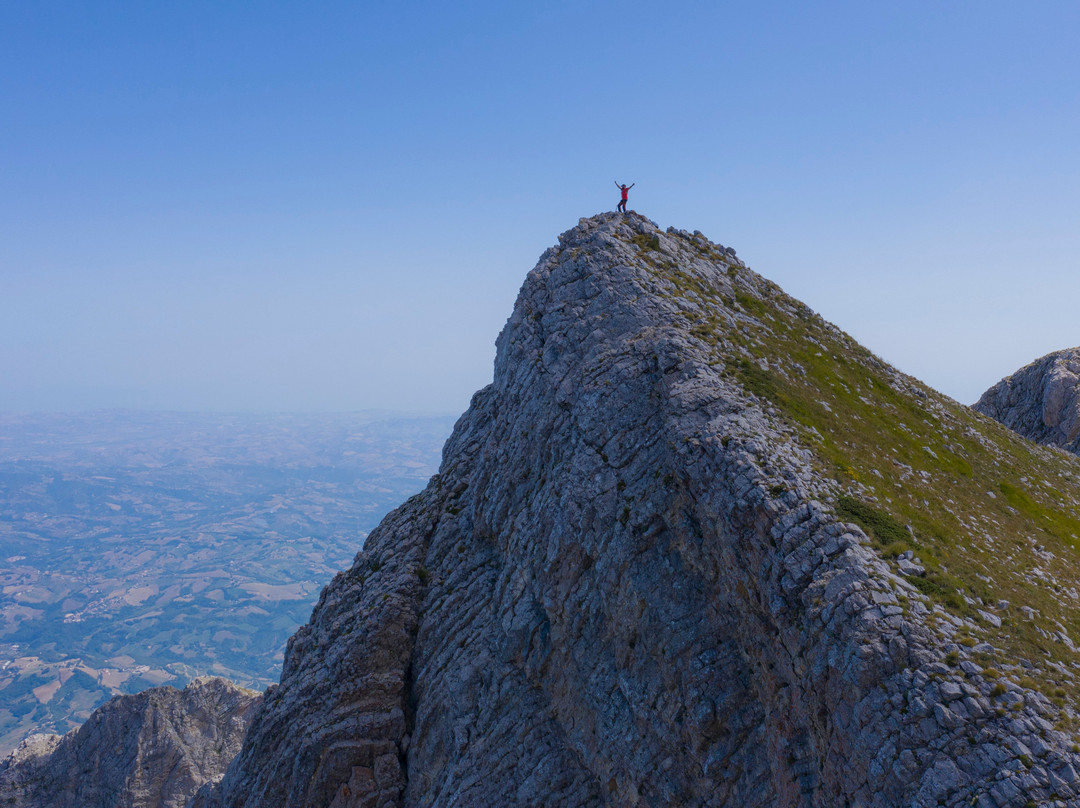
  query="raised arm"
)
[
  {"x": 631, "y": 185},
  {"x": 617, "y": 184}
]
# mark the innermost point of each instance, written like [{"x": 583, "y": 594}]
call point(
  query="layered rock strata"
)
[
  {"x": 628, "y": 585},
  {"x": 149, "y": 750},
  {"x": 1041, "y": 401}
]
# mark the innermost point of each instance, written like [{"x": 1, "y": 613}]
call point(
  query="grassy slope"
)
[{"x": 991, "y": 516}]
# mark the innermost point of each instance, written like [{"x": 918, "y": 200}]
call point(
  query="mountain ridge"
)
[
  {"x": 642, "y": 359},
  {"x": 695, "y": 546},
  {"x": 152, "y": 748}
]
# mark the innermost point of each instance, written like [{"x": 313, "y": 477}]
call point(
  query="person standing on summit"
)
[{"x": 625, "y": 194}]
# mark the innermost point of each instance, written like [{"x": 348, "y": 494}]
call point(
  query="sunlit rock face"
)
[{"x": 1041, "y": 401}]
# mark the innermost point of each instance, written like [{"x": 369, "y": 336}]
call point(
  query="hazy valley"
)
[{"x": 141, "y": 549}]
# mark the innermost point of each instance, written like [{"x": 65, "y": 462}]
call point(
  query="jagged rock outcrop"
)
[
  {"x": 1041, "y": 401},
  {"x": 635, "y": 579},
  {"x": 153, "y": 749}
]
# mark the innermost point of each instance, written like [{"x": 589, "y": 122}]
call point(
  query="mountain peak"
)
[
  {"x": 692, "y": 546},
  {"x": 658, "y": 567}
]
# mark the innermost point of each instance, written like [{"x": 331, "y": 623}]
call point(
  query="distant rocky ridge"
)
[
  {"x": 693, "y": 546},
  {"x": 1041, "y": 401},
  {"x": 148, "y": 750}
]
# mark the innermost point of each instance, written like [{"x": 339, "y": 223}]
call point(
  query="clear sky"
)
[{"x": 331, "y": 206}]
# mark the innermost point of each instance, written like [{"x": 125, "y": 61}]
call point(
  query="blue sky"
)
[{"x": 331, "y": 206}]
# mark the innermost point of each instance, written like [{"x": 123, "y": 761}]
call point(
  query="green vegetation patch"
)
[
  {"x": 646, "y": 243},
  {"x": 942, "y": 588},
  {"x": 1051, "y": 519},
  {"x": 756, "y": 379},
  {"x": 882, "y": 527},
  {"x": 750, "y": 303},
  {"x": 892, "y": 538}
]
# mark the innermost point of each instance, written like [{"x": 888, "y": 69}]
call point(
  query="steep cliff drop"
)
[{"x": 693, "y": 546}]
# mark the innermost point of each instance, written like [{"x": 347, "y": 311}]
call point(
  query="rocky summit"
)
[
  {"x": 1041, "y": 401},
  {"x": 693, "y": 546}
]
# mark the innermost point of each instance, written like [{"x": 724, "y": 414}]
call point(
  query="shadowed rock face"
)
[
  {"x": 1041, "y": 401},
  {"x": 150, "y": 750},
  {"x": 627, "y": 586}
]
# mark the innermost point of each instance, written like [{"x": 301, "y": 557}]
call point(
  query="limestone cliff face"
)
[
  {"x": 635, "y": 579},
  {"x": 1041, "y": 401},
  {"x": 150, "y": 750}
]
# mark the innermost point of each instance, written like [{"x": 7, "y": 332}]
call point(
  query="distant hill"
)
[{"x": 148, "y": 548}]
